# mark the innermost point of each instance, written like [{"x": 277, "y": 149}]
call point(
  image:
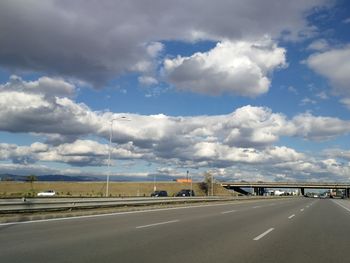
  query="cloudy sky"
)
[{"x": 249, "y": 90}]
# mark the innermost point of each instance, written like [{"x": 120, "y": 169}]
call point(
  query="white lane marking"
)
[
  {"x": 342, "y": 206},
  {"x": 157, "y": 224},
  {"x": 290, "y": 217},
  {"x": 258, "y": 206},
  {"x": 231, "y": 211},
  {"x": 301, "y": 210},
  {"x": 263, "y": 234}
]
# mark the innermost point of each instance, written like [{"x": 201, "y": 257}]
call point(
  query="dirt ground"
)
[{"x": 96, "y": 189}]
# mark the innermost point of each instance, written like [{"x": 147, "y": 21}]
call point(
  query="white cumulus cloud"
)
[
  {"x": 334, "y": 65},
  {"x": 233, "y": 67}
]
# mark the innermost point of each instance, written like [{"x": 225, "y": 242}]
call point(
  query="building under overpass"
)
[{"x": 259, "y": 187}]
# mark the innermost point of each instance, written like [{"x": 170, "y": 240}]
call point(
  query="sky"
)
[{"x": 246, "y": 90}]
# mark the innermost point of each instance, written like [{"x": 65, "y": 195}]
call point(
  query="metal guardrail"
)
[
  {"x": 46, "y": 204},
  {"x": 51, "y": 204}
]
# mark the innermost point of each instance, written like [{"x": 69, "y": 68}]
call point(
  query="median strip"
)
[
  {"x": 157, "y": 224},
  {"x": 263, "y": 234}
]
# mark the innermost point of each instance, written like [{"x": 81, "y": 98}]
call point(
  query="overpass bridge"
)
[{"x": 260, "y": 186}]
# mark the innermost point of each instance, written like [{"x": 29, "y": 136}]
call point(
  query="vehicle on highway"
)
[
  {"x": 47, "y": 193},
  {"x": 185, "y": 192},
  {"x": 160, "y": 193}
]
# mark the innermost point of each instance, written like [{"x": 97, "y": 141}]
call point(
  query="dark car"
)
[
  {"x": 159, "y": 193},
  {"x": 185, "y": 192}
]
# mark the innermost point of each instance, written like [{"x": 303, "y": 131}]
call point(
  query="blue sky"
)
[{"x": 248, "y": 90}]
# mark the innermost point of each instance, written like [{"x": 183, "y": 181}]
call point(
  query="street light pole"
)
[
  {"x": 191, "y": 185},
  {"x": 109, "y": 153},
  {"x": 109, "y": 157},
  {"x": 212, "y": 184},
  {"x": 154, "y": 183}
]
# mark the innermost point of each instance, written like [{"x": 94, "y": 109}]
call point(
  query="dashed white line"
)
[
  {"x": 258, "y": 206},
  {"x": 263, "y": 234},
  {"x": 157, "y": 224},
  {"x": 301, "y": 210},
  {"x": 290, "y": 217},
  {"x": 227, "y": 212}
]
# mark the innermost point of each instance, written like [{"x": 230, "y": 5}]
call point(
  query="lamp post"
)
[
  {"x": 191, "y": 185},
  {"x": 109, "y": 151},
  {"x": 154, "y": 183},
  {"x": 212, "y": 184}
]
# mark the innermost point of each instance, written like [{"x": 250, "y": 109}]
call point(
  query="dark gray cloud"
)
[{"x": 95, "y": 41}]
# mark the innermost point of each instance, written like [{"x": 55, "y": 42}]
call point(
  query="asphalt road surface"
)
[{"x": 289, "y": 230}]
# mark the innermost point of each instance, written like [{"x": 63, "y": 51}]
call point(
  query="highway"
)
[{"x": 279, "y": 230}]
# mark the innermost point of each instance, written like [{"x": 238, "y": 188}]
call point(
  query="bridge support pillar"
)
[
  {"x": 302, "y": 191},
  {"x": 347, "y": 192},
  {"x": 259, "y": 190}
]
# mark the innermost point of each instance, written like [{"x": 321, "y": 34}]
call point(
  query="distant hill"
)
[{"x": 50, "y": 178}]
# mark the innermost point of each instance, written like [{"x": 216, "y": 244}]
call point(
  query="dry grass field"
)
[{"x": 98, "y": 189}]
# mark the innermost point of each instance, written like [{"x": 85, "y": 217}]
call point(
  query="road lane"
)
[
  {"x": 319, "y": 234},
  {"x": 200, "y": 234}
]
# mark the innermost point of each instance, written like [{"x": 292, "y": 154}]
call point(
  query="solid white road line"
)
[
  {"x": 231, "y": 211},
  {"x": 114, "y": 214},
  {"x": 290, "y": 217},
  {"x": 157, "y": 224},
  {"x": 347, "y": 209},
  {"x": 263, "y": 234}
]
